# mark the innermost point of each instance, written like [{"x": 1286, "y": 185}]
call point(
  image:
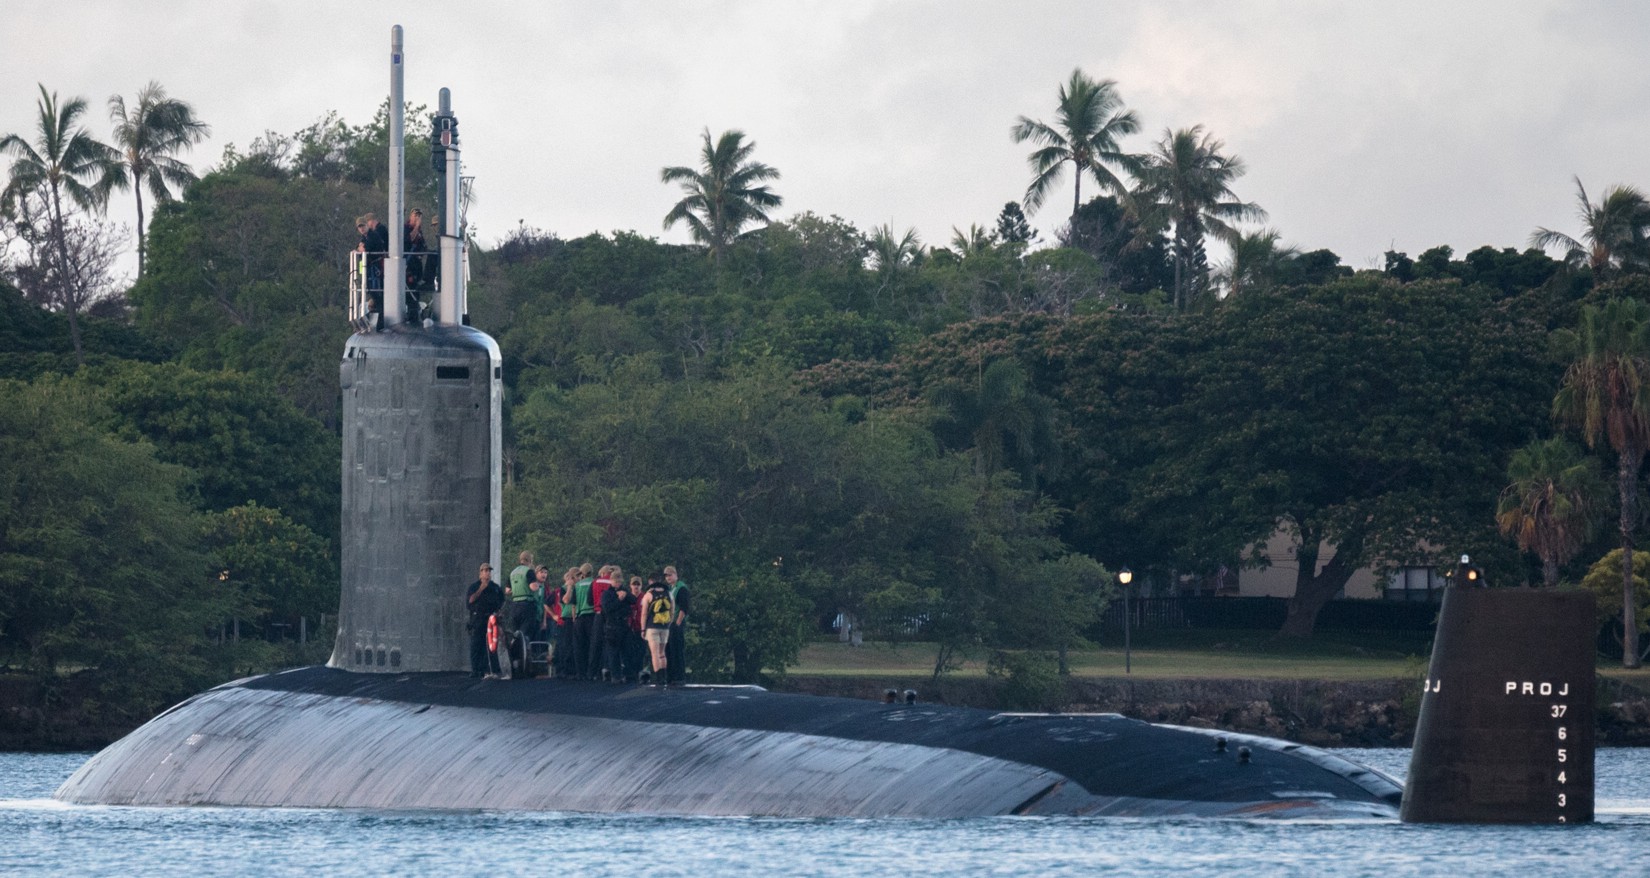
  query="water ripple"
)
[{"x": 43, "y": 836}]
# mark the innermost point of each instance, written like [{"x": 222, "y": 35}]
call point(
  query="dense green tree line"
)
[
  {"x": 154, "y": 515},
  {"x": 812, "y": 419},
  {"x": 101, "y": 556}
]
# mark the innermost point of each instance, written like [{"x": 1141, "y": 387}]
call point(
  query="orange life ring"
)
[{"x": 492, "y": 634}]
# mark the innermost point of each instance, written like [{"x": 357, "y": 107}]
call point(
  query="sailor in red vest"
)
[{"x": 598, "y": 588}]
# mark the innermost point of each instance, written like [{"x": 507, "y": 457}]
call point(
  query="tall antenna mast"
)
[{"x": 395, "y": 267}]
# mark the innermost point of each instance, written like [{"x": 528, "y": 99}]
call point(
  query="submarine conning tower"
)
[{"x": 422, "y": 443}]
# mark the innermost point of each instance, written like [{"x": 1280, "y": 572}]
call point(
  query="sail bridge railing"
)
[
  {"x": 423, "y": 282},
  {"x": 358, "y": 298}
]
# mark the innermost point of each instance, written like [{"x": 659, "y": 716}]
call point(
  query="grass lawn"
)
[
  {"x": 1170, "y": 655},
  {"x": 1158, "y": 655}
]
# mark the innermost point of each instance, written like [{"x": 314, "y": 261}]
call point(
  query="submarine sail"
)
[{"x": 423, "y": 414}]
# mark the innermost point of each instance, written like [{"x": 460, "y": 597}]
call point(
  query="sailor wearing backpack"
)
[{"x": 656, "y": 619}]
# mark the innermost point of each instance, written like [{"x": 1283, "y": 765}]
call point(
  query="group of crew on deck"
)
[
  {"x": 423, "y": 264},
  {"x": 597, "y": 624}
]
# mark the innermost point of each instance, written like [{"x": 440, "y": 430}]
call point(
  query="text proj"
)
[{"x": 1515, "y": 687}]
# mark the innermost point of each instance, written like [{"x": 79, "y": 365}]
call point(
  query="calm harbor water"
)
[{"x": 39, "y": 835}]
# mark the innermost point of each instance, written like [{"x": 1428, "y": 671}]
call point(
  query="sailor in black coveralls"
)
[{"x": 483, "y": 599}]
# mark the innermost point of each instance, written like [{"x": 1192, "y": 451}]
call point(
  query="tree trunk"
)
[
  {"x": 742, "y": 671},
  {"x": 1175, "y": 258},
  {"x": 138, "y": 188},
  {"x": 942, "y": 659},
  {"x": 1628, "y": 484},
  {"x": 1065, "y": 669},
  {"x": 1076, "y": 197},
  {"x": 70, "y": 301},
  {"x": 1314, "y": 588}
]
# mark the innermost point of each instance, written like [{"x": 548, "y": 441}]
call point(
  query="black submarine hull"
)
[{"x": 327, "y": 738}]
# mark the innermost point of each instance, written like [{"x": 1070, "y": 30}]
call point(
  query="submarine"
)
[{"x": 395, "y": 721}]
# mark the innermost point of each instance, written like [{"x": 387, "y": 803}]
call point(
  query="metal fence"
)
[
  {"x": 1147, "y": 613},
  {"x": 1190, "y": 612},
  {"x": 1267, "y": 613}
]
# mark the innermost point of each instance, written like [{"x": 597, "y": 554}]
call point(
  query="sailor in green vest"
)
[
  {"x": 541, "y": 595},
  {"x": 520, "y": 577},
  {"x": 523, "y": 602},
  {"x": 566, "y": 667},
  {"x": 584, "y": 620},
  {"x": 681, "y": 602}
]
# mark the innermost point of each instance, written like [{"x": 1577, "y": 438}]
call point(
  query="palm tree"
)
[
  {"x": 722, "y": 195},
  {"x": 891, "y": 252},
  {"x": 972, "y": 242},
  {"x": 1614, "y": 232},
  {"x": 1186, "y": 183},
  {"x": 1549, "y": 506},
  {"x": 64, "y": 161},
  {"x": 1003, "y": 418},
  {"x": 891, "y": 255},
  {"x": 1256, "y": 258},
  {"x": 1090, "y": 119},
  {"x": 149, "y": 138},
  {"x": 1606, "y": 392}
]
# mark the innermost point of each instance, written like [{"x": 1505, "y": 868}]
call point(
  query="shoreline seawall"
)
[
  {"x": 1364, "y": 713},
  {"x": 1361, "y": 713}
]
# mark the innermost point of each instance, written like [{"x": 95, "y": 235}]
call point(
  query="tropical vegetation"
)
[
  {"x": 1606, "y": 395},
  {"x": 63, "y": 162},
  {"x": 1186, "y": 187},
  {"x": 1615, "y": 233},
  {"x": 149, "y": 137},
  {"x": 722, "y": 195},
  {"x": 955, "y": 445},
  {"x": 1089, "y": 121}
]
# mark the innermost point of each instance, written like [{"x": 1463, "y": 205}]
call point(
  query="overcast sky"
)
[{"x": 1365, "y": 126}]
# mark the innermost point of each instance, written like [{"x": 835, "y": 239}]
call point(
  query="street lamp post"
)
[
  {"x": 1466, "y": 574},
  {"x": 1124, "y": 577}
]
